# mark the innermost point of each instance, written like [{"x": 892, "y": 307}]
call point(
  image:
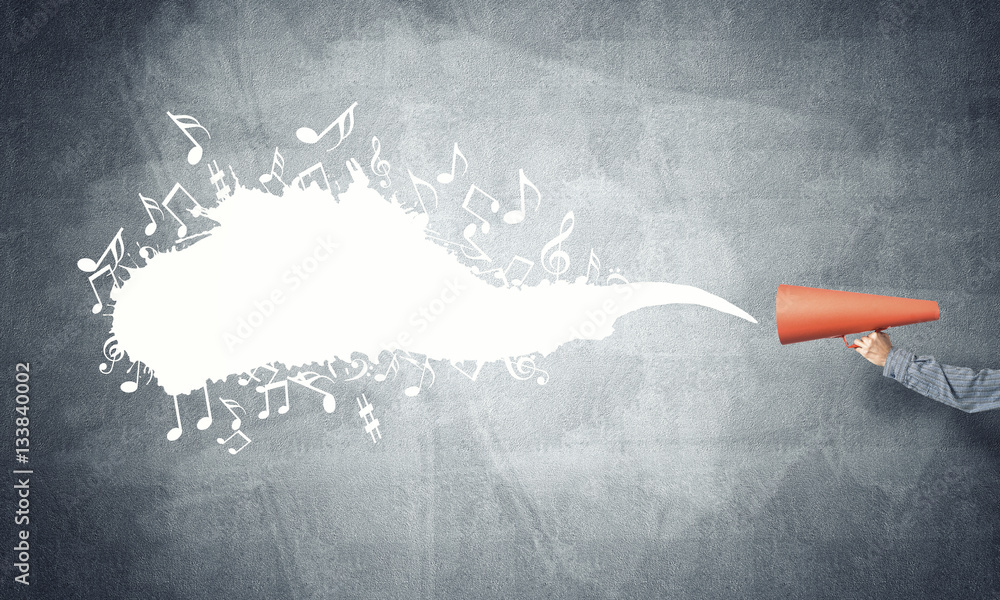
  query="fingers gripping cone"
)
[{"x": 805, "y": 313}]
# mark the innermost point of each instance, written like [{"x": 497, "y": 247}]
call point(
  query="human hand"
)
[{"x": 874, "y": 347}]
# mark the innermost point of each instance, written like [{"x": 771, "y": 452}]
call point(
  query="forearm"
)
[{"x": 963, "y": 388}]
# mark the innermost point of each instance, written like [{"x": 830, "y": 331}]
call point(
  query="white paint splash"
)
[{"x": 305, "y": 279}]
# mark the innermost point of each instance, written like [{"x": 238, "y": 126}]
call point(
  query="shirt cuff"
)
[{"x": 896, "y": 363}]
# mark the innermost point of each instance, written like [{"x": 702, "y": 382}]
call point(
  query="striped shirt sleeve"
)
[{"x": 959, "y": 387}]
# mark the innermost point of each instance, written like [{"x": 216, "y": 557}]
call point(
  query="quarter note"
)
[
  {"x": 516, "y": 216},
  {"x": 117, "y": 251},
  {"x": 445, "y": 178},
  {"x": 307, "y": 135},
  {"x": 235, "y": 450},
  {"x": 186, "y": 122},
  {"x": 150, "y": 205},
  {"x": 206, "y": 421},
  {"x": 176, "y": 432}
]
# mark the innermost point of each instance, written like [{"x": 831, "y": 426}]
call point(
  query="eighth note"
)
[
  {"x": 150, "y": 205},
  {"x": 117, "y": 250},
  {"x": 307, "y": 135},
  {"x": 413, "y": 390},
  {"x": 186, "y": 122},
  {"x": 235, "y": 450},
  {"x": 445, "y": 178},
  {"x": 516, "y": 216},
  {"x": 277, "y": 170}
]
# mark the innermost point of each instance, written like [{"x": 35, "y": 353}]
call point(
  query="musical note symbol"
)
[
  {"x": 130, "y": 386},
  {"x": 311, "y": 175},
  {"x": 497, "y": 274},
  {"x": 519, "y": 276},
  {"x": 277, "y": 170},
  {"x": 307, "y": 378},
  {"x": 516, "y": 216},
  {"x": 176, "y": 432},
  {"x": 113, "y": 353},
  {"x": 283, "y": 385},
  {"x": 196, "y": 211},
  {"x": 117, "y": 250},
  {"x": 416, "y": 180},
  {"x": 250, "y": 375},
  {"x": 308, "y": 135},
  {"x": 474, "y": 374},
  {"x": 146, "y": 252},
  {"x": 230, "y": 405},
  {"x": 525, "y": 366},
  {"x": 206, "y": 421},
  {"x": 235, "y": 451},
  {"x": 445, "y": 178},
  {"x": 494, "y": 206},
  {"x": 413, "y": 390},
  {"x": 392, "y": 368},
  {"x": 594, "y": 263},
  {"x": 217, "y": 176},
  {"x": 186, "y": 122},
  {"x": 470, "y": 230},
  {"x": 371, "y": 423},
  {"x": 150, "y": 205},
  {"x": 558, "y": 260},
  {"x": 380, "y": 168},
  {"x": 354, "y": 365}
]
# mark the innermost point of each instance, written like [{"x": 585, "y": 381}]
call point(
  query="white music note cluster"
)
[{"x": 487, "y": 211}]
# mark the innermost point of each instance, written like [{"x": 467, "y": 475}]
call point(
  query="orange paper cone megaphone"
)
[{"x": 805, "y": 313}]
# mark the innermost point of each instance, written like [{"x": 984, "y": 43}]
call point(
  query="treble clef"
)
[
  {"x": 380, "y": 167},
  {"x": 557, "y": 261}
]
